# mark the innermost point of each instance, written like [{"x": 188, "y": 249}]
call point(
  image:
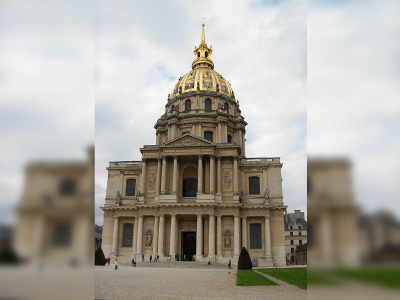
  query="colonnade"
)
[
  {"x": 214, "y": 244},
  {"x": 161, "y": 178}
]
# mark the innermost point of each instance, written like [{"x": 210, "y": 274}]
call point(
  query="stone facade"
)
[
  {"x": 295, "y": 235},
  {"x": 194, "y": 193}
]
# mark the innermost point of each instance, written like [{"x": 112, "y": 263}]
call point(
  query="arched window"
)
[
  {"x": 226, "y": 107},
  {"x": 207, "y": 104},
  {"x": 208, "y": 135},
  {"x": 172, "y": 108},
  {"x": 229, "y": 139},
  {"x": 206, "y": 54},
  {"x": 254, "y": 185},
  {"x": 198, "y": 54},
  {"x": 188, "y": 105}
]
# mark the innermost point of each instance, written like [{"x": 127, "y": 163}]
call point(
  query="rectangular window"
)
[
  {"x": 299, "y": 232},
  {"x": 229, "y": 139},
  {"x": 291, "y": 234},
  {"x": 291, "y": 242},
  {"x": 208, "y": 135},
  {"x": 299, "y": 227},
  {"x": 254, "y": 185},
  {"x": 127, "y": 235},
  {"x": 255, "y": 236},
  {"x": 300, "y": 242},
  {"x": 130, "y": 187},
  {"x": 292, "y": 250},
  {"x": 67, "y": 187},
  {"x": 62, "y": 235}
]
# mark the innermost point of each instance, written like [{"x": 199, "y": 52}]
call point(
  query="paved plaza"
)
[{"x": 185, "y": 283}]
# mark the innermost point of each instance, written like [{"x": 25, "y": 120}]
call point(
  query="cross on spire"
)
[{"x": 203, "y": 20}]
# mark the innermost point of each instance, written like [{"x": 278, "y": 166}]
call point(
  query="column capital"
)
[
  {"x": 200, "y": 156},
  {"x": 266, "y": 217},
  {"x": 212, "y": 156},
  {"x": 218, "y": 156},
  {"x": 265, "y": 168},
  {"x": 164, "y": 157},
  {"x": 175, "y": 156},
  {"x": 199, "y": 215},
  {"x": 236, "y": 157},
  {"x": 144, "y": 159},
  {"x": 159, "y": 159}
]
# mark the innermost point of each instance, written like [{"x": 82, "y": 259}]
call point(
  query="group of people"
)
[{"x": 156, "y": 258}]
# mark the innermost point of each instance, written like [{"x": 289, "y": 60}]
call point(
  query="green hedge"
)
[
  {"x": 244, "y": 262},
  {"x": 99, "y": 258}
]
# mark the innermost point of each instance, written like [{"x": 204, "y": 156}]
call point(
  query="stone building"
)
[
  {"x": 56, "y": 212},
  {"x": 194, "y": 193},
  {"x": 295, "y": 234}
]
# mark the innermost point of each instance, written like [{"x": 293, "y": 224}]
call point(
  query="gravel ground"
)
[{"x": 163, "y": 283}]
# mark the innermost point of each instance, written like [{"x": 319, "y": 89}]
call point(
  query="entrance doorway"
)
[
  {"x": 189, "y": 187},
  {"x": 188, "y": 245}
]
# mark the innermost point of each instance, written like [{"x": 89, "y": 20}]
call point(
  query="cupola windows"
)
[
  {"x": 208, "y": 135},
  {"x": 188, "y": 105},
  {"x": 207, "y": 104}
]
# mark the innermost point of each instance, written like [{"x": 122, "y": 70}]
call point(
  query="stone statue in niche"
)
[
  {"x": 227, "y": 240},
  {"x": 152, "y": 181},
  {"x": 242, "y": 197},
  {"x": 149, "y": 239},
  {"x": 118, "y": 198},
  {"x": 266, "y": 194}
]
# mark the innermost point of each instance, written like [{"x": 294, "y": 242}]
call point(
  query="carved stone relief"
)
[
  {"x": 152, "y": 182},
  {"x": 227, "y": 239},
  {"x": 227, "y": 180},
  {"x": 149, "y": 238}
]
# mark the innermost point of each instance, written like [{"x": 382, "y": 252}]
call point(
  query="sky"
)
[
  {"x": 318, "y": 78},
  {"x": 259, "y": 47}
]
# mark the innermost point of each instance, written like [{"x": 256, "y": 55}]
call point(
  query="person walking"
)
[
  {"x": 134, "y": 262},
  {"x": 158, "y": 257},
  {"x": 151, "y": 257},
  {"x": 142, "y": 257},
  {"x": 108, "y": 260},
  {"x": 230, "y": 264},
  {"x": 116, "y": 265}
]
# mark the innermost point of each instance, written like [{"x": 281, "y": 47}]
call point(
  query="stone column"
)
[
  {"x": 155, "y": 236},
  {"x": 161, "y": 237},
  {"x": 135, "y": 233},
  {"x": 219, "y": 236},
  {"x": 211, "y": 237},
  {"x": 164, "y": 174},
  {"x": 239, "y": 136},
  {"x": 244, "y": 233},
  {"x": 267, "y": 237},
  {"x": 158, "y": 179},
  {"x": 115, "y": 236},
  {"x": 199, "y": 236},
  {"x": 219, "y": 175},
  {"x": 219, "y": 133},
  {"x": 199, "y": 129},
  {"x": 194, "y": 128},
  {"x": 212, "y": 172},
  {"x": 140, "y": 236},
  {"x": 235, "y": 176},
  {"x": 236, "y": 246},
  {"x": 200, "y": 175},
  {"x": 175, "y": 174},
  {"x": 244, "y": 144},
  {"x": 224, "y": 138},
  {"x": 143, "y": 182},
  {"x": 265, "y": 180},
  {"x": 172, "y": 236}
]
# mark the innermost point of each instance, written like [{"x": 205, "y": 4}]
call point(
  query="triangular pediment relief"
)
[{"x": 187, "y": 140}]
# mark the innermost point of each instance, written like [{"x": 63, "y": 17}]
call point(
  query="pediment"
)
[{"x": 187, "y": 140}]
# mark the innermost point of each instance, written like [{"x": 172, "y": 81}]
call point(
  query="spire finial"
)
[{"x": 203, "y": 39}]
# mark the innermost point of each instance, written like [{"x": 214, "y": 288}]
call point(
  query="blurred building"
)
[
  {"x": 6, "y": 237},
  {"x": 301, "y": 254},
  {"x": 98, "y": 233},
  {"x": 56, "y": 212},
  {"x": 295, "y": 234},
  {"x": 194, "y": 193},
  {"x": 380, "y": 238},
  {"x": 333, "y": 236}
]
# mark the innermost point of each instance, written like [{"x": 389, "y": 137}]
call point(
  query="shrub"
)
[
  {"x": 99, "y": 258},
  {"x": 8, "y": 257},
  {"x": 244, "y": 262}
]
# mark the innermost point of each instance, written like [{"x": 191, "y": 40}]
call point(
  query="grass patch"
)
[
  {"x": 315, "y": 278},
  {"x": 387, "y": 277},
  {"x": 296, "y": 276},
  {"x": 251, "y": 278}
]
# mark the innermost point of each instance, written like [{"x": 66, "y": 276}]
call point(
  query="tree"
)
[
  {"x": 244, "y": 262},
  {"x": 99, "y": 258}
]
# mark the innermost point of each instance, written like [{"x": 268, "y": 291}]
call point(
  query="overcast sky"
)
[
  {"x": 142, "y": 49},
  {"x": 65, "y": 65}
]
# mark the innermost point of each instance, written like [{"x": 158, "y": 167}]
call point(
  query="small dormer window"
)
[
  {"x": 226, "y": 107},
  {"x": 229, "y": 139},
  {"x": 198, "y": 54},
  {"x": 206, "y": 54},
  {"x": 207, "y": 104}
]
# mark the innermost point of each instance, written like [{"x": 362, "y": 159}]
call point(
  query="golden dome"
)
[{"x": 202, "y": 77}]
